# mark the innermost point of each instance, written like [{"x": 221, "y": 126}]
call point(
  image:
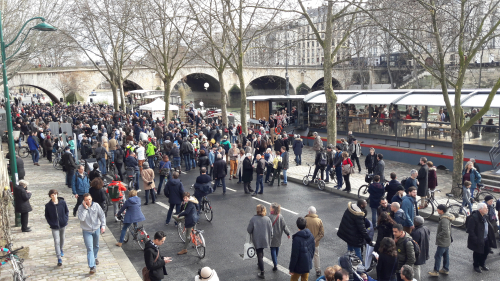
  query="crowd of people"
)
[{"x": 137, "y": 147}]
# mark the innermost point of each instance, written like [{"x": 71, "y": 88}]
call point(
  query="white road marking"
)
[
  {"x": 280, "y": 268},
  {"x": 231, "y": 189},
  {"x": 270, "y": 204},
  {"x": 163, "y": 205}
]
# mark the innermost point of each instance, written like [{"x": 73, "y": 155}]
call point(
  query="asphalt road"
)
[{"x": 226, "y": 234}]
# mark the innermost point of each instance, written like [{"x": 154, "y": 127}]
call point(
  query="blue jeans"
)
[
  {"x": 193, "y": 162},
  {"x": 328, "y": 169},
  {"x": 162, "y": 178},
  {"x": 102, "y": 165},
  {"x": 284, "y": 176},
  {"x": 171, "y": 209},
  {"x": 445, "y": 253},
  {"x": 274, "y": 255},
  {"x": 218, "y": 181},
  {"x": 113, "y": 155},
  {"x": 269, "y": 169},
  {"x": 151, "y": 162},
  {"x": 187, "y": 161},
  {"x": 298, "y": 159},
  {"x": 69, "y": 177},
  {"x": 124, "y": 230},
  {"x": 35, "y": 155},
  {"x": 374, "y": 217},
  {"x": 91, "y": 240},
  {"x": 72, "y": 152},
  {"x": 472, "y": 188},
  {"x": 464, "y": 203},
  {"x": 233, "y": 139},
  {"x": 153, "y": 195},
  {"x": 177, "y": 162},
  {"x": 260, "y": 182},
  {"x": 338, "y": 172},
  {"x": 357, "y": 251}
]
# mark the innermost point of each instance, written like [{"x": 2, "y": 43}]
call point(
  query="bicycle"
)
[
  {"x": 206, "y": 208},
  {"x": 196, "y": 237},
  {"x": 56, "y": 162},
  {"x": 23, "y": 151},
  {"x": 363, "y": 190},
  {"x": 427, "y": 205},
  {"x": 307, "y": 179},
  {"x": 138, "y": 233},
  {"x": 17, "y": 263}
]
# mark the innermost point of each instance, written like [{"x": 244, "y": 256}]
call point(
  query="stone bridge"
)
[{"x": 259, "y": 80}]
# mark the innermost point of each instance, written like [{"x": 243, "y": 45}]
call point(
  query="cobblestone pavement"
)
[{"x": 41, "y": 260}]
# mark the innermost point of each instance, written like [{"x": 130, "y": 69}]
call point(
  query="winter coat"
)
[
  {"x": 203, "y": 161},
  {"x": 408, "y": 206},
  {"x": 21, "y": 200},
  {"x": 284, "y": 160},
  {"x": 68, "y": 161},
  {"x": 279, "y": 226},
  {"x": 409, "y": 183},
  {"x": 20, "y": 168},
  {"x": 99, "y": 196},
  {"x": 80, "y": 184},
  {"x": 352, "y": 227},
  {"x": 443, "y": 233},
  {"x": 303, "y": 248},
  {"x": 318, "y": 143},
  {"x": 277, "y": 145},
  {"x": 247, "y": 173},
  {"x": 422, "y": 235},
  {"x": 157, "y": 270},
  {"x": 133, "y": 208},
  {"x": 433, "y": 181},
  {"x": 423, "y": 181},
  {"x": 57, "y": 215},
  {"x": 376, "y": 191},
  {"x": 100, "y": 153},
  {"x": 261, "y": 230},
  {"x": 386, "y": 267},
  {"x": 32, "y": 144},
  {"x": 399, "y": 216},
  {"x": 261, "y": 166},
  {"x": 220, "y": 169},
  {"x": 475, "y": 228},
  {"x": 406, "y": 253},
  {"x": 190, "y": 212},
  {"x": 371, "y": 161},
  {"x": 379, "y": 170},
  {"x": 315, "y": 225},
  {"x": 297, "y": 146},
  {"x": 175, "y": 190},
  {"x": 475, "y": 177},
  {"x": 392, "y": 188},
  {"x": 383, "y": 230},
  {"x": 148, "y": 176}
]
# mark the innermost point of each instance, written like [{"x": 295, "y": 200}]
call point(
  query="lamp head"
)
[{"x": 43, "y": 26}]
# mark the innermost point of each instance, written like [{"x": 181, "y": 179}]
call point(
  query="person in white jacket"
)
[
  {"x": 206, "y": 273},
  {"x": 239, "y": 169}
]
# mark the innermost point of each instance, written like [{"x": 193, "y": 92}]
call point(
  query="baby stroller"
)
[{"x": 352, "y": 264}]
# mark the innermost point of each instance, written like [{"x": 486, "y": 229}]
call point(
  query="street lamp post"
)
[{"x": 12, "y": 154}]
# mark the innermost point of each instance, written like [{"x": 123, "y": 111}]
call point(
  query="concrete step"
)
[{"x": 491, "y": 175}]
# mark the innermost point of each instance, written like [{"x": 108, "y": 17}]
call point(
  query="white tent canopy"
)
[{"x": 157, "y": 104}]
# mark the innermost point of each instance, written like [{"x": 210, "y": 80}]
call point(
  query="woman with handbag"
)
[
  {"x": 165, "y": 167},
  {"x": 261, "y": 230},
  {"x": 148, "y": 177},
  {"x": 347, "y": 170},
  {"x": 279, "y": 226}
]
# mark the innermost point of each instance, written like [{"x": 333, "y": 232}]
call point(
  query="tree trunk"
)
[
  {"x": 166, "y": 97},
  {"x": 115, "y": 96},
  {"x": 122, "y": 96},
  {"x": 331, "y": 98},
  {"x": 223, "y": 95},
  {"x": 244, "y": 105},
  {"x": 389, "y": 72},
  {"x": 458, "y": 156}
]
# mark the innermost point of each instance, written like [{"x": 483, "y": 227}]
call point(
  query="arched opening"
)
[
  {"x": 130, "y": 86},
  {"x": 303, "y": 89},
  {"x": 49, "y": 94},
  {"x": 319, "y": 85},
  {"x": 194, "y": 84},
  {"x": 268, "y": 85},
  {"x": 234, "y": 96}
]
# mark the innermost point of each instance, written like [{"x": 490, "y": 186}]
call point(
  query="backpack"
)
[
  {"x": 403, "y": 182},
  {"x": 114, "y": 191},
  {"x": 416, "y": 247},
  {"x": 280, "y": 165},
  {"x": 322, "y": 160}
]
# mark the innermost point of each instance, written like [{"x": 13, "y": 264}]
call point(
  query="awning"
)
[
  {"x": 432, "y": 97},
  {"x": 139, "y": 91},
  {"x": 153, "y": 97},
  {"x": 478, "y": 99},
  {"x": 319, "y": 96},
  {"x": 376, "y": 97},
  {"x": 275, "y": 97},
  {"x": 157, "y": 104}
]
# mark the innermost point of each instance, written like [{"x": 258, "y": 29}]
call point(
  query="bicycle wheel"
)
[
  {"x": 181, "y": 230},
  {"x": 18, "y": 274},
  {"x": 425, "y": 207},
  {"x": 23, "y": 152},
  {"x": 321, "y": 185},
  {"x": 306, "y": 180},
  {"x": 200, "y": 245},
  {"x": 209, "y": 213},
  {"x": 481, "y": 195},
  {"x": 363, "y": 190},
  {"x": 142, "y": 237},
  {"x": 460, "y": 215}
]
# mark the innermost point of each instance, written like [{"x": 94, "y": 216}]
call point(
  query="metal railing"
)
[{"x": 495, "y": 156}]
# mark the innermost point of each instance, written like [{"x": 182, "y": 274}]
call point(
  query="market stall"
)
[{"x": 157, "y": 108}]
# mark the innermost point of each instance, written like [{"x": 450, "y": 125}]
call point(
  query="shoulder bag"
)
[
  {"x": 145, "y": 270},
  {"x": 164, "y": 171}
]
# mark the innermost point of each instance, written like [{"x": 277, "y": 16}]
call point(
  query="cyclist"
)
[
  {"x": 202, "y": 187},
  {"x": 190, "y": 213},
  {"x": 133, "y": 214},
  {"x": 115, "y": 189}
]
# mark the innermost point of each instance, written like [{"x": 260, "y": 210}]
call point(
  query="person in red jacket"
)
[{"x": 115, "y": 189}]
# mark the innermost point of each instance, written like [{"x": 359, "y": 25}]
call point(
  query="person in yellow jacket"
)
[
  {"x": 277, "y": 166},
  {"x": 150, "y": 153}
]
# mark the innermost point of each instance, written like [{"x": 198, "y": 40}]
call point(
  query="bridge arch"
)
[
  {"x": 319, "y": 84},
  {"x": 269, "y": 85},
  {"x": 53, "y": 97},
  {"x": 129, "y": 85},
  {"x": 197, "y": 91}
]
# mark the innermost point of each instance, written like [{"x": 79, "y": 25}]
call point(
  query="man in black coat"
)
[
  {"x": 220, "y": 172},
  {"x": 69, "y": 165},
  {"x": 259, "y": 170},
  {"x": 481, "y": 237},
  {"x": 155, "y": 262},
  {"x": 247, "y": 174},
  {"x": 352, "y": 228},
  {"x": 380, "y": 167},
  {"x": 423, "y": 178},
  {"x": 22, "y": 203}
]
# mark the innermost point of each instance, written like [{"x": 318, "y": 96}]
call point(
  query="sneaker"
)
[
  {"x": 434, "y": 273},
  {"x": 444, "y": 271},
  {"x": 261, "y": 275},
  {"x": 275, "y": 268},
  {"x": 92, "y": 270},
  {"x": 59, "y": 262},
  {"x": 318, "y": 273}
]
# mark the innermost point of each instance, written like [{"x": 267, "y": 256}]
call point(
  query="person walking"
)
[
  {"x": 164, "y": 170},
  {"x": 133, "y": 214},
  {"x": 247, "y": 176},
  {"x": 174, "y": 190},
  {"x": 376, "y": 191},
  {"x": 371, "y": 161},
  {"x": 285, "y": 163},
  {"x": 57, "y": 216},
  {"x": 433, "y": 182},
  {"x": 48, "y": 145},
  {"x": 318, "y": 142},
  {"x": 190, "y": 214},
  {"x": 98, "y": 194},
  {"x": 100, "y": 155},
  {"x": 261, "y": 165},
  {"x": 422, "y": 235},
  {"x": 155, "y": 263},
  {"x": 404, "y": 245},
  {"x": 148, "y": 182},
  {"x": 443, "y": 241},
  {"x": 346, "y": 176},
  {"x": 261, "y": 230},
  {"x": 303, "y": 248},
  {"x": 297, "y": 149},
  {"x": 337, "y": 165},
  {"x": 320, "y": 162},
  {"x": 352, "y": 228},
  {"x": 384, "y": 229},
  {"x": 355, "y": 151},
  {"x": 481, "y": 237},
  {"x": 93, "y": 223},
  {"x": 380, "y": 167},
  {"x": 409, "y": 208},
  {"x": 279, "y": 226},
  {"x": 220, "y": 172},
  {"x": 22, "y": 203},
  {"x": 80, "y": 185},
  {"x": 33, "y": 147},
  {"x": 423, "y": 178},
  {"x": 387, "y": 260},
  {"x": 269, "y": 158},
  {"x": 233, "y": 161},
  {"x": 118, "y": 156},
  {"x": 315, "y": 225}
]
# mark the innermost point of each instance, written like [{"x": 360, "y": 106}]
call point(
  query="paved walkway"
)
[{"x": 41, "y": 261}]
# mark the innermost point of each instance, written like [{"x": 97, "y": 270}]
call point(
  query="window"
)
[
  {"x": 308, "y": 44},
  {"x": 307, "y": 60},
  {"x": 312, "y": 43}
]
